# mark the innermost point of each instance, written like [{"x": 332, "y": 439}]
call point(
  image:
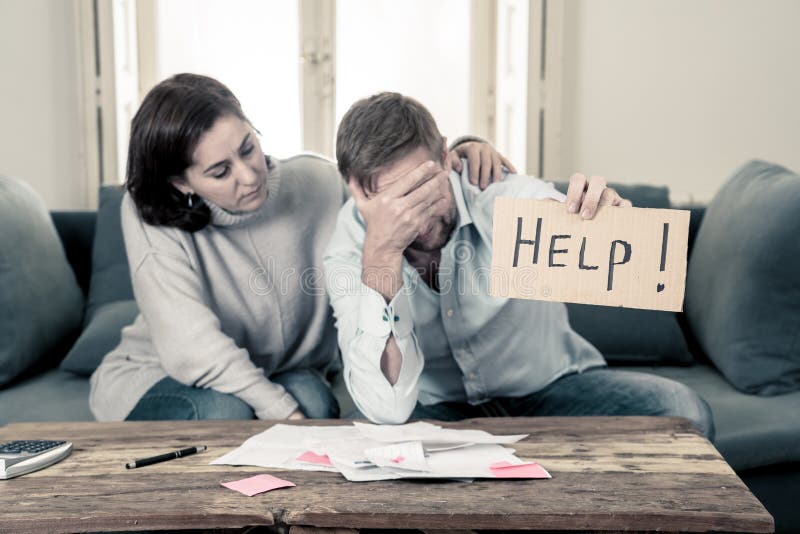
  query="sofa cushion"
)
[
  {"x": 76, "y": 230},
  {"x": 100, "y": 336},
  {"x": 609, "y": 328},
  {"x": 743, "y": 283},
  {"x": 751, "y": 430},
  {"x": 111, "y": 280},
  {"x": 642, "y": 196},
  {"x": 53, "y": 395},
  {"x": 41, "y": 303},
  {"x": 631, "y": 336}
]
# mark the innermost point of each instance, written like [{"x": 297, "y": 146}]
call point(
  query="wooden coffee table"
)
[{"x": 609, "y": 474}]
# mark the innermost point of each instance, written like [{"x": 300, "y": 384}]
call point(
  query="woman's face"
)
[{"x": 228, "y": 167}]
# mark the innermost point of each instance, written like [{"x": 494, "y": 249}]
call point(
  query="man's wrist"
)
[{"x": 382, "y": 269}]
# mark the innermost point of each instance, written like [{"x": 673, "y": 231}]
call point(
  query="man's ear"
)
[{"x": 446, "y": 163}]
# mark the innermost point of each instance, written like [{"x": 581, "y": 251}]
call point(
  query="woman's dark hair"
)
[{"x": 164, "y": 134}]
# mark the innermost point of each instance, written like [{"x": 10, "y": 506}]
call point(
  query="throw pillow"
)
[
  {"x": 743, "y": 283},
  {"x": 111, "y": 279},
  {"x": 628, "y": 336},
  {"x": 41, "y": 303},
  {"x": 100, "y": 337}
]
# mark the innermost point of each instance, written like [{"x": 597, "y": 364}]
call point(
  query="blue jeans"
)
[
  {"x": 171, "y": 400},
  {"x": 599, "y": 391}
]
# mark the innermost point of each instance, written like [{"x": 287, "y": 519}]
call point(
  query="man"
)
[{"x": 406, "y": 271}]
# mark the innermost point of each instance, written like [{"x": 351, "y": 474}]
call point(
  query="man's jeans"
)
[
  {"x": 171, "y": 400},
  {"x": 598, "y": 391}
]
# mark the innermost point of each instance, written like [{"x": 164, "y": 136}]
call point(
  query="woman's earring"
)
[{"x": 189, "y": 199}]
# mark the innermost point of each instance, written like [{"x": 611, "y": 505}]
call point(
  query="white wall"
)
[
  {"x": 680, "y": 92},
  {"x": 39, "y": 107}
]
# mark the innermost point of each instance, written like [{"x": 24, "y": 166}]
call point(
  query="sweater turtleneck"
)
[{"x": 222, "y": 217}]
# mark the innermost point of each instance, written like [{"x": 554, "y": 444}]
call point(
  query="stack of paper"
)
[{"x": 363, "y": 452}]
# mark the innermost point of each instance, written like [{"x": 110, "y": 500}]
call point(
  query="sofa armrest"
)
[{"x": 76, "y": 230}]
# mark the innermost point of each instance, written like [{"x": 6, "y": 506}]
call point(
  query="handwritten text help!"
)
[{"x": 631, "y": 257}]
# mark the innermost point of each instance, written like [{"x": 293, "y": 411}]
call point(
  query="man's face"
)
[{"x": 440, "y": 224}]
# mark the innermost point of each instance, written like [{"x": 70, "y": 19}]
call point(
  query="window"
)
[
  {"x": 249, "y": 45},
  {"x": 298, "y": 65},
  {"x": 512, "y": 80},
  {"x": 416, "y": 47}
]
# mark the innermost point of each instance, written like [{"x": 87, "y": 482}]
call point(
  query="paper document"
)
[
  {"x": 431, "y": 436},
  {"x": 280, "y": 446},
  {"x": 399, "y": 456},
  {"x": 364, "y": 452}
]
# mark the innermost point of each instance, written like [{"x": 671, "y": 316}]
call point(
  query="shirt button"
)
[{"x": 450, "y": 312}]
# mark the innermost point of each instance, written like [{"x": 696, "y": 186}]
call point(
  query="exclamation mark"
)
[{"x": 660, "y": 287}]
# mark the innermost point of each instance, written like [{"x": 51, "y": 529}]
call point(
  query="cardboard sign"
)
[{"x": 631, "y": 257}]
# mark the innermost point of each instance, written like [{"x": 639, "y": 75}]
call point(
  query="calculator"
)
[{"x": 25, "y": 456}]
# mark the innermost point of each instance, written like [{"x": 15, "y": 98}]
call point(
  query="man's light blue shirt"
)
[{"x": 458, "y": 344}]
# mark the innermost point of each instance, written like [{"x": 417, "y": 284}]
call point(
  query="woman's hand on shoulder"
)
[{"x": 485, "y": 162}]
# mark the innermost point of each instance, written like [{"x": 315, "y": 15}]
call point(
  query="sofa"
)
[{"x": 732, "y": 343}]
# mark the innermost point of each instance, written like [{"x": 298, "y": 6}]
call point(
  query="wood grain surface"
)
[{"x": 609, "y": 474}]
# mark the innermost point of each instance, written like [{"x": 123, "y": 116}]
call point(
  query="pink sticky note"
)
[
  {"x": 398, "y": 459},
  {"x": 313, "y": 458},
  {"x": 257, "y": 484},
  {"x": 509, "y": 470}
]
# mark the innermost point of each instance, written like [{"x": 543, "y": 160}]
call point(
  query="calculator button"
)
[{"x": 28, "y": 446}]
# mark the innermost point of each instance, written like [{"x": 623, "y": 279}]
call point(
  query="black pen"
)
[{"x": 164, "y": 457}]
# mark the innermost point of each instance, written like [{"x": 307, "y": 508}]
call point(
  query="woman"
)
[{"x": 224, "y": 245}]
